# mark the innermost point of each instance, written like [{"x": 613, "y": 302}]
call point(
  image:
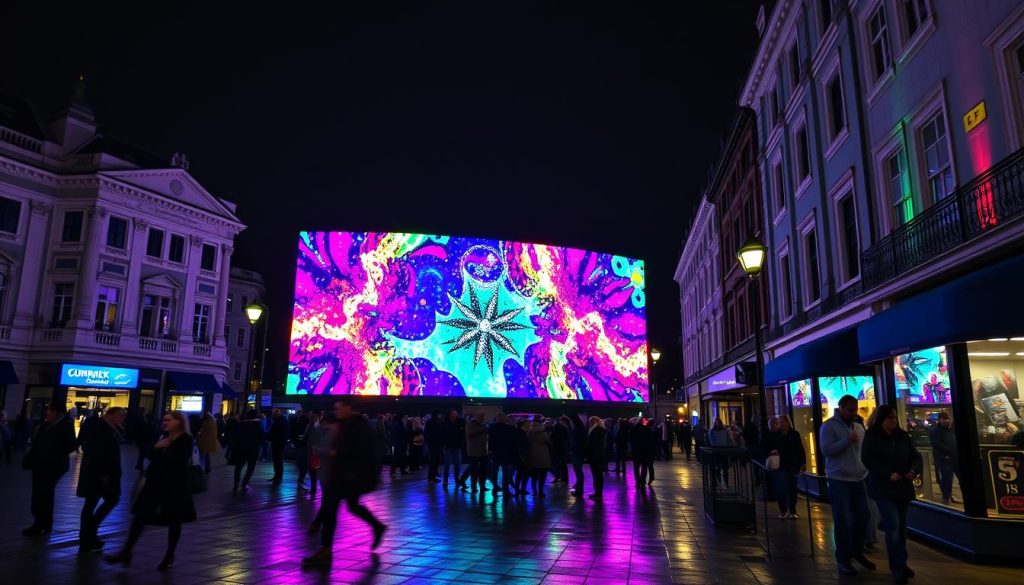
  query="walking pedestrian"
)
[
  {"x": 6, "y": 438},
  {"x": 313, "y": 435},
  {"x": 476, "y": 452},
  {"x": 322, "y": 455},
  {"x": 298, "y": 429},
  {"x": 400, "y": 443},
  {"x": 684, "y": 434},
  {"x": 622, "y": 445},
  {"x": 164, "y": 499},
  {"x": 560, "y": 450},
  {"x": 540, "y": 457},
  {"x": 597, "y": 437},
  {"x": 435, "y": 445},
  {"x": 354, "y": 471},
  {"x": 501, "y": 439},
  {"x": 700, "y": 437},
  {"x": 207, "y": 439},
  {"x": 943, "y": 442},
  {"x": 99, "y": 478},
  {"x": 892, "y": 462},
  {"x": 452, "y": 443},
  {"x": 841, "y": 439},
  {"x": 278, "y": 436},
  {"x": 416, "y": 443},
  {"x": 228, "y": 438},
  {"x": 53, "y": 442},
  {"x": 246, "y": 448},
  {"x": 522, "y": 443},
  {"x": 578, "y": 442},
  {"x": 786, "y": 443}
]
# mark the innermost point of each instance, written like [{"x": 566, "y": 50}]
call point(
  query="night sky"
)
[{"x": 589, "y": 126}]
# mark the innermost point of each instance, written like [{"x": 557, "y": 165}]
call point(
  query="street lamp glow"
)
[
  {"x": 254, "y": 312},
  {"x": 751, "y": 256},
  {"x": 655, "y": 355}
]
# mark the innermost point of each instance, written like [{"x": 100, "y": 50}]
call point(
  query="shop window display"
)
[
  {"x": 923, "y": 399},
  {"x": 800, "y": 399},
  {"x": 994, "y": 367}
]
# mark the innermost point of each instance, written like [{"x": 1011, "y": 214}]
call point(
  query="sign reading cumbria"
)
[{"x": 98, "y": 376}]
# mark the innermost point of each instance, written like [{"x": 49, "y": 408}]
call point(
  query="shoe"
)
[
  {"x": 433, "y": 480},
  {"x": 35, "y": 531},
  {"x": 909, "y": 572},
  {"x": 794, "y": 515},
  {"x": 165, "y": 564},
  {"x": 245, "y": 488},
  {"x": 322, "y": 556},
  {"x": 864, "y": 562},
  {"x": 121, "y": 558},
  {"x": 783, "y": 515},
  {"x": 378, "y": 535},
  {"x": 847, "y": 570}
]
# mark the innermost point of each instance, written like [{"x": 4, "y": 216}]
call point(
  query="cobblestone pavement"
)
[{"x": 657, "y": 535}]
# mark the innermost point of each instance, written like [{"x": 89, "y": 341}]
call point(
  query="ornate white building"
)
[{"x": 114, "y": 269}]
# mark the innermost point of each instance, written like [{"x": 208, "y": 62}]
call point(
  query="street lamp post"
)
[
  {"x": 751, "y": 256},
  {"x": 255, "y": 311},
  {"x": 655, "y": 356}
]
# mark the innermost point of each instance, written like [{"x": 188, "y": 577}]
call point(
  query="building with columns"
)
[{"x": 114, "y": 270}]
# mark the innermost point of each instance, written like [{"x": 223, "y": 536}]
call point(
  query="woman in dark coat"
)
[
  {"x": 597, "y": 451},
  {"x": 893, "y": 462},
  {"x": 164, "y": 498},
  {"x": 786, "y": 443}
]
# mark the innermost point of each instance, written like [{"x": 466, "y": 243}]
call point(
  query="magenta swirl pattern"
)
[{"x": 394, "y": 314}]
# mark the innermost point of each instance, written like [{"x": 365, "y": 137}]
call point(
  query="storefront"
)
[
  {"x": 229, "y": 402},
  {"x": 958, "y": 349},
  {"x": 89, "y": 389},
  {"x": 815, "y": 376},
  {"x": 191, "y": 392},
  {"x": 730, "y": 395}
]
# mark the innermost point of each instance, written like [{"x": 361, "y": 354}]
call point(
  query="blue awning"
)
[
  {"x": 7, "y": 375},
  {"x": 835, "y": 354},
  {"x": 980, "y": 305},
  {"x": 190, "y": 382},
  {"x": 227, "y": 393}
]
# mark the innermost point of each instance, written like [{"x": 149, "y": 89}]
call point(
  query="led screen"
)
[
  {"x": 800, "y": 393},
  {"x": 922, "y": 376},
  {"x": 833, "y": 388},
  {"x": 393, "y": 314}
]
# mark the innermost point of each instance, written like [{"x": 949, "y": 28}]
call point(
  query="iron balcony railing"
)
[{"x": 988, "y": 201}]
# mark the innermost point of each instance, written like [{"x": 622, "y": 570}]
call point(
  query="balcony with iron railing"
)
[
  {"x": 55, "y": 337},
  {"x": 989, "y": 201}
]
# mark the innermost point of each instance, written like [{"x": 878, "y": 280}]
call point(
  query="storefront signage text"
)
[
  {"x": 974, "y": 117},
  {"x": 1007, "y": 469},
  {"x": 724, "y": 380},
  {"x": 98, "y": 376}
]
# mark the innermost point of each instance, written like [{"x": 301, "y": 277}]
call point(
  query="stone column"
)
[
  {"x": 133, "y": 284},
  {"x": 220, "y": 311},
  {"x": 30, "y": 296},
  {"x": 85, "y": 291},
  {"x": 188, "y": 296}
]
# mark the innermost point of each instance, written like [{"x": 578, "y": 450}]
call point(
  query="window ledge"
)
[
  {"x": 837, "y": 142},
  {"x": 778, "y": 217},
  {"x": 848, "y": 283},
  {"x": 804, "y": 185},
  {"x": 8, "y": 236},
  {"x": 881, "y": 84},
  {"x": 914, "y": 43},
  {"x": 812, "y": 305}
]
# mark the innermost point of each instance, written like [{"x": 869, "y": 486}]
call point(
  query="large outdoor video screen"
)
[{"x": 393, "y": 314}]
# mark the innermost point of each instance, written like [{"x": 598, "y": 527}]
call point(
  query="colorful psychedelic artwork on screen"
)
[
  {"x": 833, "y": 388},
  {"x": 922, "y": 376},
  {"x": 800, "y": 393},
  {"x": 395, "y": 314}
]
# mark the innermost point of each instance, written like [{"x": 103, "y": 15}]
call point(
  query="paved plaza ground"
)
[{"x": 657, "y": 535}]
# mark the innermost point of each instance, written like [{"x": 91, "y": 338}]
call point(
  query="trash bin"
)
[{"x": 728, "y": 485}]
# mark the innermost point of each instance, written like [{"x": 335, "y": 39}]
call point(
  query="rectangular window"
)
[
  {"x": 812, "y": 283},
  {"x": 850, "y": 249},
  {"x": 63, "y": 295},
  {"x": 878, "y": 31},
  {"x": 107, "y": 298},
  {"x": 803, "y": 154},
  {"x": 117, "y": 232},
  {"x": 775, "y": 105},
  {"x": 240, "y": 341},
  {"x": 938, "y": 168},
  {"x": 155, "y": 244},
  {"x": 238, "y": 371},
  {"x": 72, "y": 230},
  {"x": 209, "y": 259},
  {"x": 794, "y": 66},
  {"x": 786, "y": 286},
  {"x": 836, "y": 109},
  {"x": 245, "y": 303},
  {"x": 176, "y": 250},
  {"x": 898, "y": 187},
  {"x": 201, "y": 323},
  {"x": 915, "y": 15},
  {"x": 779, "y": 187},
  {"x": 10, "y": 213}
]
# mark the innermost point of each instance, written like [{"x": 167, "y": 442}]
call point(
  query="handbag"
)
[
  {"x": 195, "y": 477},
  {"x": 314, "y": 460},
  {"x": 772, "y": 463}
]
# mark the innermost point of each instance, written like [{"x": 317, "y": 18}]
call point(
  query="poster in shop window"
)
[{"x": 1007, "y": 470}]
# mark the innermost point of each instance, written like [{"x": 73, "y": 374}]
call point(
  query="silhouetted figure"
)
[
  {"x": 99, "y": 477},
  {"x": 53, "y": 442},
  {"x": 597, "y": 437},
  {"x": 246, "y": 448}
]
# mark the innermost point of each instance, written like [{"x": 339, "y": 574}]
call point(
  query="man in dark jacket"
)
[
  {"x": 245, "y": 447},
  {"x": 944, "y": 448},
  {"x": 48, "y": 459},
  {"x": 278, "y": 437},
  {"x": 100, "y": 477},
  {"x": 578, "y": 444},
  {"x": 354, "y": 473},
  {"x": 502, "y": 442},
  {"x": 597, "y": 438},
  {"x": 400, "y": 443},
  {"x": 435, "y": 444},
  {"x": 451, "y": 437},
  {"x": 298, "y": 438},
  {"x": 684, "y": 434}
]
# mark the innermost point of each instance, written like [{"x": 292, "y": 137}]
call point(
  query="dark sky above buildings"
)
[{"x": 585, "y": 125}]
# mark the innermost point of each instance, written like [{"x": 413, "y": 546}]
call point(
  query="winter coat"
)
[
  {"x": 100, "y": 472},
  {"x": 432, "y": 433},
  {"x": 164, "y": 497},
  {"x": 540, "y": 455},
  {"x": 885, "y": 454},
  {"x": 502, "y": 440},
  {"x": 207, "y": 438},
  {"x": 248, "y": 440},
  {"x": 450, "y": 435},
  {"x": 476, "y": 439},
  {"x": 943, "y": 442},
  {"x": 278, "y": 434},
  {"x": 597, "y": 440},
  {"x": 642, "y": 441},
  {"x": 522, "y": 447},
  {"x": 560, "y": 440},
  {"x": 51, "y": 445},
  {"x": 790, "y": 448},
  {"x": 721, "y": 438},
  {"x": 578, "y": 440}
]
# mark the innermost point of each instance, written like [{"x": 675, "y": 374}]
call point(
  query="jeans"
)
[
  {"x": 507, "y": 470},
  {"x": 849, "y": 509},
  {"x": 785, "y": 491},
  {"x": 435, "y": 461},
  {"x": 597, "y": 473},
  {"x": 944, "y": 469},
  {"x": 577, "y": 470},
  {"x": 44, "y": 482},
  {"x": 92, "y": 516},
  {"x": 871, "y": 530},
  {"x": 452, "y": 457},
  {"x": 250, "y": 466},
  {"x": 894, "y": 524},
  {"x": 685, "y": 447}
]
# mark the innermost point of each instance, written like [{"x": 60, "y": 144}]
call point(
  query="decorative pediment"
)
[
  {"x": 175, "y": 184},
  {"x": 161, "y": 284}
]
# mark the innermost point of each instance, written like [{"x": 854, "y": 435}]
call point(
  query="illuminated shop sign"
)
[
  {"x": 724, "y": 380},
  {"x": 98, "y": 376}
]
